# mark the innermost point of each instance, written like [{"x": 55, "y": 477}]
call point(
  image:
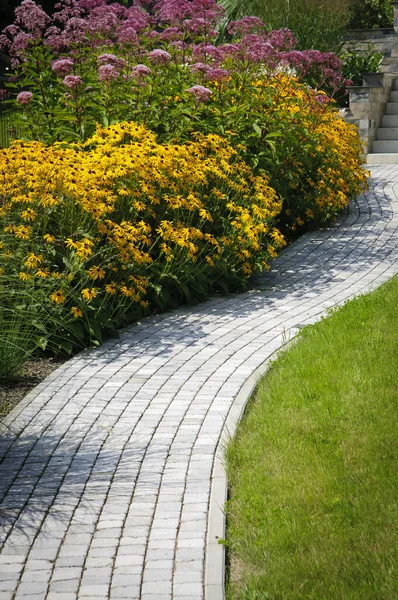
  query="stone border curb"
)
[{"x": 215, "y": 564}]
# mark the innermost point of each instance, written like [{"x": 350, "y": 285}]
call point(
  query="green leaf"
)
[{"x": 257, "y": 129}]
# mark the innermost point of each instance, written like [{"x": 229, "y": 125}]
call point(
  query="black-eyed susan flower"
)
[
  {"x": 96, "y": 272},
  {"x": 111, "y": 288},
  {"x": 76, "y": 312},
  {"x": 22, "y": 232},
  {"x": 28, "y": 215},
  {"x": 24, "y": 276},
  {"x": 48, "y": 238},
  {"x": 58, "y": 297},
  {"x": 89, "y": 293},
  {"x": 42, "y": 273},
  {"x": 33, "y": 260}
]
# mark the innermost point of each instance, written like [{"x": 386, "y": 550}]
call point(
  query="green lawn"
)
[{"x": 313, "y": 508}]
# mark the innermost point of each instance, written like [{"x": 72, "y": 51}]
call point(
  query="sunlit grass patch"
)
[{"x": 313, "y": 468}]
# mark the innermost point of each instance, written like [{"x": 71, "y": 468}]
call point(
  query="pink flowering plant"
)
[{"x": 155, "y": 62}]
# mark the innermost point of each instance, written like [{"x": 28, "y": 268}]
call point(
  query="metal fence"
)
[{"x": 10, "y": 129}]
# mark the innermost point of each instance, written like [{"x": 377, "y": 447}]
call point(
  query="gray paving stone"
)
[
  {"x": 151, "y": 587},
  {"x": 32, "y": 588},
  {"x": 188, "y": 589},
  {"x": 43, "y": 576},
  {"x": 70, "y": 586},
  {"x": 94, "y": 590},
  {"x": 131, "y": 592},
  {"x": 66, "y": 573},
  {"x": 155, "y": 574},
  {"x": 123, "y": 580},
  {"x": 56, "y": 595}
]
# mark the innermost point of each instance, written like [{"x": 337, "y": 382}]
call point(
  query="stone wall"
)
[
  {"x": 381, "y": 39},
  {"x": 367, "y": 105}
]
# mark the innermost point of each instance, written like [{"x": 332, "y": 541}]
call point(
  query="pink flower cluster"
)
[
  {"x": 245, "y": 26},
  {"x": 159, "y": 57},
  {"x": 140, "y": 71},
  {"x": 107, "y": 73},
  {"x": 209, "y": 72},
  {"x": 31, "y": 17},
  {"x": 200, "y": 93},
  {"x": 62, "y": 66},
  {"x": 24, "y": 98},
  {"x": 111, "y": 59},
  {"x": 72, "y": 81}
]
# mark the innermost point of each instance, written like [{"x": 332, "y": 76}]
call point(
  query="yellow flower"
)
[
  {"x": 111, "y": 288},
  {"x": 128, "y": 292},
  {"x": 43, "y": 273},
  {"x": 96, "y": 273},
  {"x": 89, "y": 293},
  {"x": 22, "y": 232},
  {"x": 69, "y": 243},
  {"x": 76, "y": 312},
  {"x": 24, "y": 276},
  {"x": 33, "y": 260},
  {"x": 84, "y": 248},
  {"x": 210, "y": 261},
  {"x": 58, "y": 297},
  {"x": 50, "y": 239},
  {"x": 28, "y": 214},
  {"x": 246, "y": 268}
]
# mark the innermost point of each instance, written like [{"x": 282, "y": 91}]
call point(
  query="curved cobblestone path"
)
[{"x": 105, "y": 486}]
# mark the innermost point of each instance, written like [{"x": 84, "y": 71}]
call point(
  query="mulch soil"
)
[{"x": 34, "y": 371}]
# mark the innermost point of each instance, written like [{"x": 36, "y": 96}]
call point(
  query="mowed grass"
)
[{"x": 313, "y": 507}]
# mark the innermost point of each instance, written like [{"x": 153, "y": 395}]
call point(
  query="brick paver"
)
[{"x": 106, "y": 479}]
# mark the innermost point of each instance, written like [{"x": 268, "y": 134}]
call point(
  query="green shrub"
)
[
  {"x": 371, "y": 14},
  {"x": 357, "y": 61}
]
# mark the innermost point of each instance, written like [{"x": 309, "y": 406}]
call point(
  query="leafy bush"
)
[
  {"x": 315, "y": 165},
  {"x": 357, "y": 61},
  {"x": 103, "y": 230},
  {"x": 371, "y": 14}
]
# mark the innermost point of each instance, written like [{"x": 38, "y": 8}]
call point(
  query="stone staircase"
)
[{"x": 385, "y": 147}]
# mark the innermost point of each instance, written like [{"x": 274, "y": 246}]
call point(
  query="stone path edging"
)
[{"x": 113, "y": 485}]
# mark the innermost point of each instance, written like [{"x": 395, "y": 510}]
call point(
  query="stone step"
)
[
  {"x": 393, "y": 68},
  {"x": 387, "y": 133},
  {"x": 385, "y": 146},
  {"x": 394, "y": 96},
  {"x": 389, "y": 121},
  {"x": 395, "y": 85},
  {"x": 389, "y": 60},
  {"x": 392, "y": 108},
  {"x": 382, "y": 159}
]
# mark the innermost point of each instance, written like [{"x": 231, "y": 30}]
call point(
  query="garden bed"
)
[{"x": 32, "y": 373}]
